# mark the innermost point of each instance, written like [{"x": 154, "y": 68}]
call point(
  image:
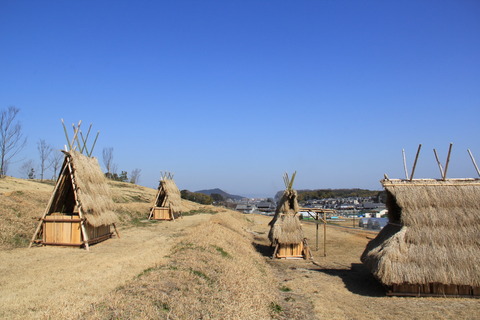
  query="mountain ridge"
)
[{"x": 219, "y": 191}]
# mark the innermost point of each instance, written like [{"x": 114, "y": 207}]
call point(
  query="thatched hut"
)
[
  {"x": 286, "y": 232},
  {"x": 80, "y": 210},
  {"x": 431, "y": 245},
  {"x": 168, "y": 201}
]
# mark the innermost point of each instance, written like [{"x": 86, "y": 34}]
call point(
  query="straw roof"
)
[
  {"x": 92, "y": 190},
  {"x": 285, "y": 225},
  {"x": 169, "y": 195},
  {"x": 433, "y": 234}
]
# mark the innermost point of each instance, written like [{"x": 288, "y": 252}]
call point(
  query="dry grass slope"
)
[
  {"x": 213, "y": 273},
  {"x": 22, "y": 202}
]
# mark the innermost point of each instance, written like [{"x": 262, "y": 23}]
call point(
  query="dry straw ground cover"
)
[
  {"x": 21, "y": 202},
  {"x": 212, "y": 273}
]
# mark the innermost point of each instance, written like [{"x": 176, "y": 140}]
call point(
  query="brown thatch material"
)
[
  {"x": 92, "y": 190},
  {"x": 169, "y": 196},
  {"x": 433, "y": 234},
  {"x": 285, "y": 225},
  {"x": 287, "y": 230}
]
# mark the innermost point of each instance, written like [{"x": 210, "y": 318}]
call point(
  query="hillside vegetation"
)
[{"x": 24, "y": 201}]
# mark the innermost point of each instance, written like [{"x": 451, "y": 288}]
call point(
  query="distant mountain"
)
[{"x": 222, "y": 193}]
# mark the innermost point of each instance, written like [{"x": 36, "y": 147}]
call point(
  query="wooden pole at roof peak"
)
[
  {"x": 474, "y": 163},
  {"x": 79, "y": 141},
  {"x": 415, "y": 162},
  {"x": 405, "y": 164},
  {"x": 442, "y": 173},
  {"x": 448, "y": 161}
]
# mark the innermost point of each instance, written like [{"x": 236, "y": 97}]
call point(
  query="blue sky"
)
[{"x": 232, "y": 94}]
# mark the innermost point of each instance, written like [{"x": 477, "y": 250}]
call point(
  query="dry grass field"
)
[{"x": 203, "y": 266}]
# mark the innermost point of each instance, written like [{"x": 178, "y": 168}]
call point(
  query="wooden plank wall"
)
[
  {"x": 161, "y": 213},
  {"x": 290, "y": 250},
  {"x": 60, "y": 229},
  {"x": 433, "y": 289}
]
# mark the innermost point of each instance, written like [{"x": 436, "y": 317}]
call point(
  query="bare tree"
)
[
  {"x": 108, "y": 159},
  {"x": 11, "y": 138},
  {"x": 44, "y": 150},
  {"x": 56, "y": 162},
  {"x": 114, "y": 169},
  {"x": 27, "y": 169},
  {"x": 135, "y": 175}
]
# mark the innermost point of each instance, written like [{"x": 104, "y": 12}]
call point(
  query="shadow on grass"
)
[
  {"x": 264, "y": 250},
  {"x": 358, "y": 280}
]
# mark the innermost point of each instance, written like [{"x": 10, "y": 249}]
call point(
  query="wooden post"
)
[
  {"x": 448, "y": 161},
  {"x": 79, "y": 205},
  {"x": 48, "y": 206},
  {"x": 275, "y": 251},
  {"x": 405, "y": 164},
  {"x": 316, "y": 233},
  {"x": 474, "y": 163},
  {"x": 439, "y": 164},
  {"x": 415, "y": 163},
  {"x": 324, "y": 235},
  {"x": 66, "y": 136},
  {"x": 116, "y": 231},
  {"x": 94, "y": 142}
]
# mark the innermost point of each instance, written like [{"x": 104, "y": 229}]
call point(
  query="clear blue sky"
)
[{"x": 232, "y": 94}]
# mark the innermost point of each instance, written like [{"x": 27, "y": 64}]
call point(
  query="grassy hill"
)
[{"x": 24, "y": 201}]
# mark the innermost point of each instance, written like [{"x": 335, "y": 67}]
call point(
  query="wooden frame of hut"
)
[
  {"x": 286, "y": 232},
  {"x": 79, "y": 212},
  {"x": 168, "y": 201},
  {"x": 431, "y": 245}
]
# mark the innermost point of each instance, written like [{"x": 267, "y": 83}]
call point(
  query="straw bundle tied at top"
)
[
  {"x": 93, "y": 192},
  {"x": 438, "y": 236},
  {"x": 169, "y": 196},
  {"x": 285, "y": 225}
]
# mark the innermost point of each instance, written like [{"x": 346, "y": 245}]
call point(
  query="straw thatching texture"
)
[
  {"x": 287, "y": 230},
  {"x": 92, "y": 191},
  {"x": 169, "y": 196},
  {"x": 437, "y": 239},
  {"x": 285, "y": 225}
]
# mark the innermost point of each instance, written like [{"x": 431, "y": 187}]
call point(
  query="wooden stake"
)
[
  {"x": 84, "y": 146},
  {"x": 79, "y": 205},
  {"x": 275, "y": 251},
  {"x": 48, "y": 206},
  {"x": 415, "y": 163},
  {"x": 448, "y": 161},
  {"x": 324, "y": 235},
  {"x": 439, "y": 164},
  {"x": 116, "y": 231},
  {"x": 94, "y": 142},
  {"x": 405, "y": 164},
  {"x": 86, "y": 138},
  {"x": 290, "y": 186},
  {"x": 66, "y": 136},
  {"x": 474, "y": 163}
]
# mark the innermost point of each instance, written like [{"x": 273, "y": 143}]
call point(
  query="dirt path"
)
[{"x": 54, "y": 282}]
